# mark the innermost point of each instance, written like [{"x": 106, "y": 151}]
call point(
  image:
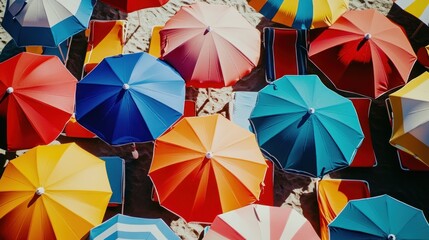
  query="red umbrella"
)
[
  {"x": 134, "y": 5},
  {"x": 37, "y": 96},
  {"x": 210, "y": 45},
  {"x": 364, "y": 52}
]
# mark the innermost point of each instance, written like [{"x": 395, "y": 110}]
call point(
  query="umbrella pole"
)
[
  {"x": 417, "y": 30},
  {"x": 127, "y": 38}
]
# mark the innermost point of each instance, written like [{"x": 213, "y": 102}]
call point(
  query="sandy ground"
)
[{"x": 290, "y": 189}]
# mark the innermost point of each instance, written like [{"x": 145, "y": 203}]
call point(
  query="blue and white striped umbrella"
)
[
  {"x": 126, "y": 227},
  {"x": 46, "y": 22}
]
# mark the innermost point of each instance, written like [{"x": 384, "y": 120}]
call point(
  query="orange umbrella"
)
[
  {"x": 53, "y": 192},
  {"x": 211, "y": 46},
  {"x": 364, "y": 52},
  {"x": 205, "y": 166}
]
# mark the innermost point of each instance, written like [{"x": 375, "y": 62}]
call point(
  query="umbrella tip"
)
[
  {"x": 367, "y": 36},
  {"x": 40, "y": 191},
  {"x": 125, "y": 86},
  {"x": 208, "y": 29},
  {"x": 391, "y": 237},
  {"x": 9, "y": 90},
  {"x": 311, "y": 110},
  {"x": 209, "y": 155}
]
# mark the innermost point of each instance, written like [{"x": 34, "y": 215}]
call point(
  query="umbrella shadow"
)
[{"x": 33, "y": 200}]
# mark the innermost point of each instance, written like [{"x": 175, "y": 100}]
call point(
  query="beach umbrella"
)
[
  {"x": 130, "y": 98},
  {"x": 37, "y": 98},
  {"x": 261, "y": 222},
  {"x": 53, "y": 192},
  {"x": 364, "y": 52},
  {"x": 134, "y": 5},
  {"x": 305, "y": 127},
  {"x": 211, "y": 46},
  {"x": 380, "y": 217},
  {"x": 126, "y": 227},
  {"x": 410, "y": 129},
  {"x": 46, "y": 23},
  {"x": 205, "y": 166},
  {"x": 417, "y": 8},
  {"x": 301, "y": 14}
]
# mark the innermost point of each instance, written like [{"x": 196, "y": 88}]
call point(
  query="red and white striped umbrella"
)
[{"x": 261, "y": 222}]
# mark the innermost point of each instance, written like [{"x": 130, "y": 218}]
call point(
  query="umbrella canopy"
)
[
  {"x": 125, "y": 227},
  {"x": 134, "y": 5},
  {"x": 261, "y": 222},
  {"x": 381, "y": 217},
  {"x": 305, "y": 127},
  {"x": 37, "y": 97},
  {"x": 46, "y": 23},
  {"x": 364, "y": 52},
  {"x": 417, "y": 8},
  {"x": 53, "y": 192},
  {"x": 410, "y": 106},
  {"x": 205, "y": 166},
  {"x": 210, "y": 45},
  {"x": 130, "y": 98},
  {"x": 301, "y": 14}
]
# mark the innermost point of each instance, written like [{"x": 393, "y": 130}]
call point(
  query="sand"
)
[{"x": 290, "y": 189}]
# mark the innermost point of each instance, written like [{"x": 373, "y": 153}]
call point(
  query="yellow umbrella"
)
[
  {"x": 53, "y": 192},
  {"x": 410, "y": 106}
]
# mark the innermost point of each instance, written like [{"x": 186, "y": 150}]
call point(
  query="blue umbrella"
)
[
  {"x": 305, "y": 127},
  {"x": 46, "y": 23},
  {"x": 130, "y": 98},
  {"x": 381, "y": 217},
  {"x": 126, "y": 227}
]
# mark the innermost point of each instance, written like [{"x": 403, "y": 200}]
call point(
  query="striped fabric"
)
[
  {"x": 301, "y": 14},
  {"x": 285, "y": 52},
  {"x": 418, "y": 8},
  {"x": 46, "y": 22},
  {"x": 126, "y": 227},
  {"x": 261, "y": 222}
]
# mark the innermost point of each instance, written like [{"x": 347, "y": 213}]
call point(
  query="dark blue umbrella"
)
[
  {"x": 130, "y": 98},
  {"x": 305, "y": 127}
]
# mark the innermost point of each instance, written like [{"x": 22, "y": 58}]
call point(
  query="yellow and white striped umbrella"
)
[
  {"x": 410, "y": 106},
  {"x": 418, "y": 8}
]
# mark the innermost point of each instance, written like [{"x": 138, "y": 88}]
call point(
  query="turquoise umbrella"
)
[
  {"x": 304, "y": 127},
  {"x": 381, "y": 217}
]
